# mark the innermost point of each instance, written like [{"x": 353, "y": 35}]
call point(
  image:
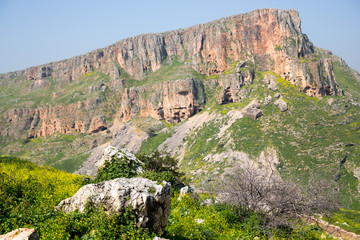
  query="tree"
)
[{"x": 281, "y": 201}]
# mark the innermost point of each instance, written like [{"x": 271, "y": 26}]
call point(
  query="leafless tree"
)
[{"x": 262, "y": 190}]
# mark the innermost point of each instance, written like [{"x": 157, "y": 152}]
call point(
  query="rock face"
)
[
  {"x": 272, "y": 37},
  {"x": 264, "y": 40},
  {"x": 46, "y": 121},
  {"x": 171, "y": 101},
  {"x": 151, "y": 202},
  {"x": 21, "y": 234}
]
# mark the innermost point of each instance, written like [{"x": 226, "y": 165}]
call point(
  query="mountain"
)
[{"x": 243, "y": 90}]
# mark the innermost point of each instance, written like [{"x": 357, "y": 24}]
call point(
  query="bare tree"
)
[{"x": 262, "y": 190}]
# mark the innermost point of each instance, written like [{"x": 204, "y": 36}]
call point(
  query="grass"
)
[
  {"x": 63, "y": 151},
  {"x": 30, "y": 192}
]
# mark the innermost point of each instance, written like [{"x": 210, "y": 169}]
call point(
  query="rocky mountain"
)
[{"x": 246, "y": 89}]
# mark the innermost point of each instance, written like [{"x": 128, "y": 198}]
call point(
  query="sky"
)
[{"x": 35, "y": 32}]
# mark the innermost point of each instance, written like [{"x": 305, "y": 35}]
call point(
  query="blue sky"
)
[{"x": 35, "y": 32}]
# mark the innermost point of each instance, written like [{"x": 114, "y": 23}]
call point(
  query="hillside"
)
[{"x": 188, "y": 92}]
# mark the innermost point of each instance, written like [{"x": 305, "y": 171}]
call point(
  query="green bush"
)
[
  {"x": 159, "y": 167},
  {"x": 116, "y": 168}
]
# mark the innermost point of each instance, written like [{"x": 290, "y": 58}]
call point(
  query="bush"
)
[
  {"x": 157, "y": 167},
  {"x": 116, "y": 168},
  {"x": 160, "y": 167}
]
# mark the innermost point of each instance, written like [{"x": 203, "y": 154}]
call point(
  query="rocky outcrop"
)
[
  {"x": 172, "y": 101},
  {"x": 21, "y": 234},
  {"x": 281, "y": 104},
  {"x": 231, "y": 84},
  {"x": 45, "y": 121},
  {"x": 187, "y": 191},
  {"x": 252, "y": 110},
  {"x": 269, "y": 80},
  {"x": 150, "y": 201},
  {"x": 268, "y": 100}
]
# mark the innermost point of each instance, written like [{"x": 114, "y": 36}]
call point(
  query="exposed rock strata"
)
[
  {"x": 265, "y": 40},
  {"x": 150, "y": 201},
  {"x": 171, "y": 101},
  {"x": 46, "y": 121},
  {"x": 270, "y": 37}
]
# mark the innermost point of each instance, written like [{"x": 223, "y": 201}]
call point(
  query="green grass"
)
[
  {"x": 221, "y": 221},
  {"x": 30, "y": 192},
  {"x": 346, "y": 219},
  {"x": 63, "y": 151},
  {"x": 152, "y": 143},
  {"x": 346, "y": 80}
]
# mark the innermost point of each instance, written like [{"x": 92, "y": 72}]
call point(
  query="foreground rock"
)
[
  {"x": 150, "y": 201},
  {"x": 21, "y": 234}
]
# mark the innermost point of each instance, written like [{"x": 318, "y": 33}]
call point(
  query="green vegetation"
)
[
  {"x": 63, "y": 151},
  {"x": 346, "y": 219},
  {"x": 191, "y": 220},
  {"x": 116, "y": 168},
  {"x": 159, "y": 167},
  {"x": 345, "y": 79},
  {"x": 156, "y": 167},
  {"x": 52, "y": 94},
  {"x": 29, "y": 194}
]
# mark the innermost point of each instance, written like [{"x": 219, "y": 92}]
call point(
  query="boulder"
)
[
  {"x": 21, "y": 234},
  {"x": 207, "y": 202},
  {"x": 187, "y": 191},
  {"x": 111, "y": 151},
  {"x": 281, "y": 104},
  {"x": 268, "y": 100},
  {"x": 252, "y": 110},
  {"x": 269, "y": 80},
  {"x": 277, "y": 95},
  {"x": 150, "y": 201}
]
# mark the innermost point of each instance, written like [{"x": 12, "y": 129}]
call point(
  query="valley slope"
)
[{"x": 205, "y": 94}]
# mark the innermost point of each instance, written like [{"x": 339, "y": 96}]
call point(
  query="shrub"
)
[
  {"x": 160, "y": 167},
  {"x": 116, "y": 168}
]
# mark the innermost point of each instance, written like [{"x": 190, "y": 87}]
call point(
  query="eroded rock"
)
[
  {"x": 281, "y": 104},
  {"x": 268, "y": 100},
  {"x": 150, "y": 201},
  {"x": 252, "y": 110},
  {"x": 21, "y": 234}
]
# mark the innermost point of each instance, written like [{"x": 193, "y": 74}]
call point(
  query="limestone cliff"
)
[
  {"x": 171, "y": 101},
  {"x": 271, "y": 38},
  {"x": 265, "y": 39}
]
